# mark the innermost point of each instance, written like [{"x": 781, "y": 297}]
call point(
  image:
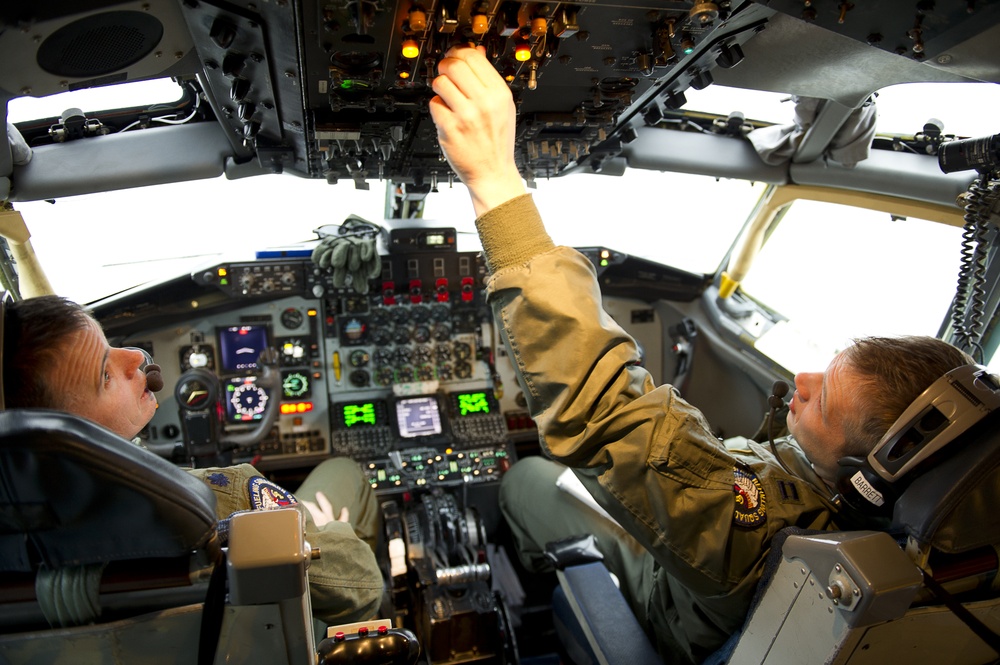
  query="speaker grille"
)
[{"x": 99, "y": 44}]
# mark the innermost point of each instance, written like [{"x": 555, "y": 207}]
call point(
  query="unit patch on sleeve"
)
[
  {"x": 265, "y": 495},
  {"x": 751, "y": 505}
]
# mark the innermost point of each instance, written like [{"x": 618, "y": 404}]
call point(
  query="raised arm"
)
[{"x": 475, "y": 117}]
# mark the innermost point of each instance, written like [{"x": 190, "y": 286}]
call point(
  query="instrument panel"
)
[{"x": 402, "y": 377}]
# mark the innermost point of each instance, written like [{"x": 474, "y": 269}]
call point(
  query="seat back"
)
[
  {"x": 73, "y": 493},
  {"x": 858, "y": 596}
]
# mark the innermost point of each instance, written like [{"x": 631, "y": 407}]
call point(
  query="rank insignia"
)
[
  {"x": 751, "y": 505},
  {"x": 218, "y": 479},
  {"x": 265, "y": 495}
]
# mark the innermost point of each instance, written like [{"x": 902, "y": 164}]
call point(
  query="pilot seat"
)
[
  {"x": 926, "y": 589},
  {"x": 110, "y": 554}
]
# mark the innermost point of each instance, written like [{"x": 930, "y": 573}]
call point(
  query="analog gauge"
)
[
  {"x": 248, "y": 400},
  {"x": 442, "y": 353},
  {"x": 422, "y": 354},
  {"x": 359, "y": 358},
  {"x": 440, "y": 312},
  {"x": 359, "y": 378},
  {"x": 401, "y": 336},
  {"x": 463, "y": 370},
  {"x": 195, "y": 393},
  {"x": 384, "y": 376},
  {"x": 197, "y": 355},
  {"x": 444, "y": 371},
  {"x": 382, "y": 357},
  {"x": 292, "y": 318},
  {"x": 462, "y": 351},
  {"x": 382, "y": 336},
  {"x": 404, "y": 374},
  {"x": 295, "y": 385},
  {"x": 400, "y": 315},
  {"x": 420, "y": 313},
  {"x": 425, "y": 373},
  {"x": 441, "y": 332},
  {"x": 421, "y": 334},
  {"x": 381, "y": 317},
  {"x": 403, "y": 355},
  {"x": 353, "y": 330}
]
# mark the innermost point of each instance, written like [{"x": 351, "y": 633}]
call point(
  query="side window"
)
[{"x": 837, "y": 272}]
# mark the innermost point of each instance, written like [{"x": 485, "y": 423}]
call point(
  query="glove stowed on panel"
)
[{"x": 349, "y": 255}]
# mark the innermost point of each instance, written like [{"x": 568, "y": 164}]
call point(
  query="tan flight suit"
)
[
  {"x": 699, "y": 517},
  {"x": 345, "y": 582}
]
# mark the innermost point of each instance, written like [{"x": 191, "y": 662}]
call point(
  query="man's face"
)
[
  {"x": 102, "y": 384},
  {"x": 817, "y": 411}
]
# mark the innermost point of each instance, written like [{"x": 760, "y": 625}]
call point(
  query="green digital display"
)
[
  {"x": 359, "y": 414},
  {"x": 469, "y": 403}
]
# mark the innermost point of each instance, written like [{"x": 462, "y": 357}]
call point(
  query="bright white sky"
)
[{"x": 97, "y": 244}]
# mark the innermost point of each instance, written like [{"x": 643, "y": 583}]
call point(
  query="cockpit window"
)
[
  {"x": 156, "y": 92},
  {"x": 680, "y": 220},
  {"x": 962, "y": 108},
  {"x": 836, "y": 272}
]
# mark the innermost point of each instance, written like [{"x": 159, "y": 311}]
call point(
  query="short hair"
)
[
  {"x": 895, "y": 371},
  {"x": 35, "y": 330}
]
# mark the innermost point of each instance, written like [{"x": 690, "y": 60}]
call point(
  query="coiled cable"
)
[{"x": 970, "y": 296}]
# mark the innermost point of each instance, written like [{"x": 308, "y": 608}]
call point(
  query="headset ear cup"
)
[{"x": 864, "y": 490}]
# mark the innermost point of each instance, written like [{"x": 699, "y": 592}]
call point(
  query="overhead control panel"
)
[{"x": 340, "y": 89}]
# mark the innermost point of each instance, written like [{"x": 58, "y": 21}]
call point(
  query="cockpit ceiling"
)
[{"x": 339, "y": 89}]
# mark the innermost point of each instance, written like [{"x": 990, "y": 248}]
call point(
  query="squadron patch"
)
[
  {"x": 751, "y": 505},
  {"x": 265, "y": 495}
]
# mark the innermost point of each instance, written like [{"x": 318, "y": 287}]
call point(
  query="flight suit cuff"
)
[{"x": 512, "y": 233}]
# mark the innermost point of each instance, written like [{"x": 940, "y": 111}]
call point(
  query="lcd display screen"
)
[
  {"x": 474, "y": 403},
  {"x": 245, "y": 400},
  {"x": 240, "y": 347},
  {"x": 360, "y": 415},
  {"x": 418, "y": 417}
]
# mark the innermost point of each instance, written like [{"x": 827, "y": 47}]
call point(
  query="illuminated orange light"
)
[
  {"x": 522, "y": 52},
  {"x": 418, "y": 20},
  {"x": 404, "y": 75},
  {"x": 296, "y": 407},
  {"x": 480, "y": 24},
  {"x": 411, "y": 49}
]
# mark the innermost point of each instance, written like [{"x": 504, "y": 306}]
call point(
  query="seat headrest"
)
[
  {"x": 74, "y": 493},
  {"x": 953, "y": 506}
]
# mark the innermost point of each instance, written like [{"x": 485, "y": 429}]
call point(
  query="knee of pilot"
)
[
  {"x": 343, "y": 468},
  {"x": 524, "y": 473}
]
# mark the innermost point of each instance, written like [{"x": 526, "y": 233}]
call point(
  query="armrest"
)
[{"x": 595, "y": 623}]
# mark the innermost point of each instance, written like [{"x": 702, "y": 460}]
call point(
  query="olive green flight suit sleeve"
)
[{"x": 705, "y": 513}]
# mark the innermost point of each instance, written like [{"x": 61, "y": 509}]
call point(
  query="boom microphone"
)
[
  {"x": 778, "y": 391},
  {"x": 775, "y": 401},
  {"x": 154, "y": 379}
]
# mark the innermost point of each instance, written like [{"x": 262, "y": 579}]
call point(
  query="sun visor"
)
[{"x": 701, "y": 154}]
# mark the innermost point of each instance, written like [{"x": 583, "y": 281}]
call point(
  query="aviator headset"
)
[
  {"x": 946, "y": 409},
  {"x": 154, "y": 378}
]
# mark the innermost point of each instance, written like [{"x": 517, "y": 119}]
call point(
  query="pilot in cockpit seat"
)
[
  {"x": 56, "y": 356},
  {"x": 697, "y": 517}
]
